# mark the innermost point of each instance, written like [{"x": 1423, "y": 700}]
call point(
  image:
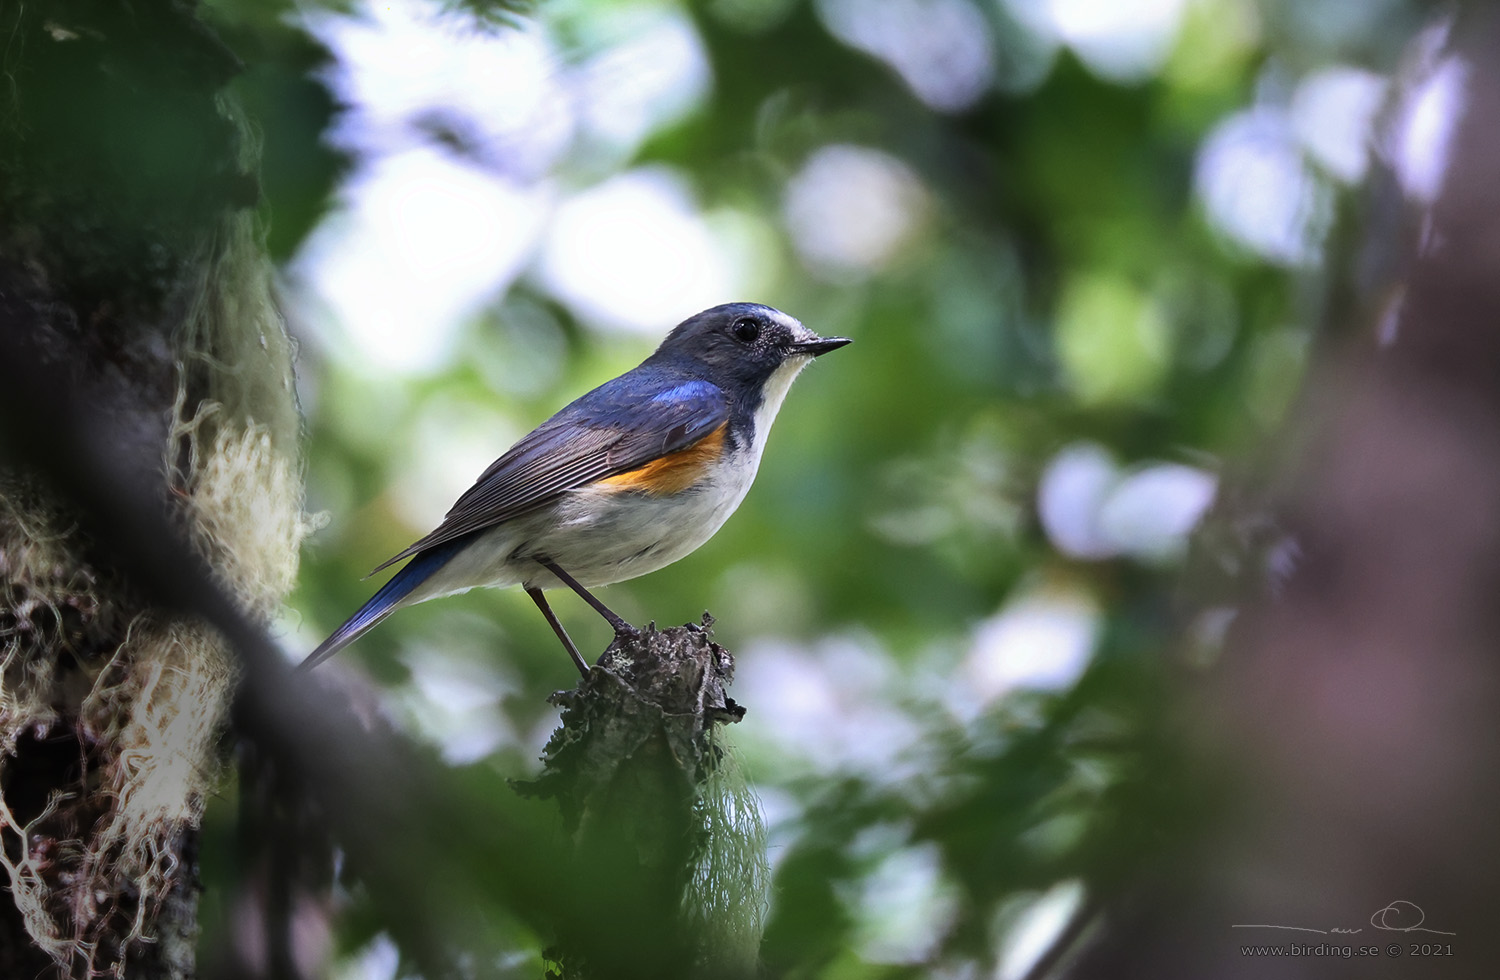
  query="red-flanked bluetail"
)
[{"x": 627, "y": 479}]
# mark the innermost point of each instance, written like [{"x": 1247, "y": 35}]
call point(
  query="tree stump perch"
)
[{"x": 640, "y": 779}]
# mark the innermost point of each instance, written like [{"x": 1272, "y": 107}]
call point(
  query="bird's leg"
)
[
  {"x": 562, "y": 634},
  {"x": 621, "y": 627}
]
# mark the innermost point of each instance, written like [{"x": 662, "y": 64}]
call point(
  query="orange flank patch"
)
[{"x": 675, "y": 472}]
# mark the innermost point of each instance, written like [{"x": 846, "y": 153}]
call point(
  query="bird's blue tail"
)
[{"x": 384, "y": 602}]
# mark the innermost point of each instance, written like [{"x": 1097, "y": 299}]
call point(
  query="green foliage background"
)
[{"x": 1063, "y": 284}]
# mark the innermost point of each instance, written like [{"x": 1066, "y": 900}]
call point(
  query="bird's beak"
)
[{"x": 816, "y": 348}]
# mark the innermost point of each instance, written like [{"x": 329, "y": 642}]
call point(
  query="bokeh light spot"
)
[
  {"x": 1119, "y": 40},
  {"x": 1257, "y": 189},
  {"x": 940, "y": 48},
  {"x": 1039, "y": 922},
  {"x": 422, "y": 242},
  {"x": 1424, "y": 132},
  {"x": 1111, "y": 338},
  {"x": 1071, "y": 492},
  {"x": 658, "y": 74},
  {"x": 1150, "y": 513},
  {"x": 633, "y": 253},
  {"x": 1091, "y": 509},
  {"x": 1041, "y": 640},
  {"x": 851, "y": 209},
  {"x": 1333, "y": 111}
]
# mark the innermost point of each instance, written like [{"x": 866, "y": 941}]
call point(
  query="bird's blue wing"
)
[{"x": 618, "y": 427}]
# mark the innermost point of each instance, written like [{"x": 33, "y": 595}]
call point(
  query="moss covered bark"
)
[{"x": 131, "y": 269}]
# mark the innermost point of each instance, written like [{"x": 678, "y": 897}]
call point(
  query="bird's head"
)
[{"x": 743, "y": 346}]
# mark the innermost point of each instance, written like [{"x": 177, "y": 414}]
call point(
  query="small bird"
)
[{"x": 627, "y": 479}]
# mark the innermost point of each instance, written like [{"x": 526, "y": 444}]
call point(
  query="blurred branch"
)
[{"x": 1357, "y": 706}]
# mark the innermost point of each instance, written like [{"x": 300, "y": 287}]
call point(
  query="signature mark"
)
[{"x": 1398, "y": 916}]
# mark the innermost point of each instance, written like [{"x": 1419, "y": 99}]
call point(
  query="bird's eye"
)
[{"x": 745, "y": 329}]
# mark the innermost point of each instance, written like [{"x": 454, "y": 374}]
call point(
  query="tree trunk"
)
[{"x": 131, "y": 269}]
